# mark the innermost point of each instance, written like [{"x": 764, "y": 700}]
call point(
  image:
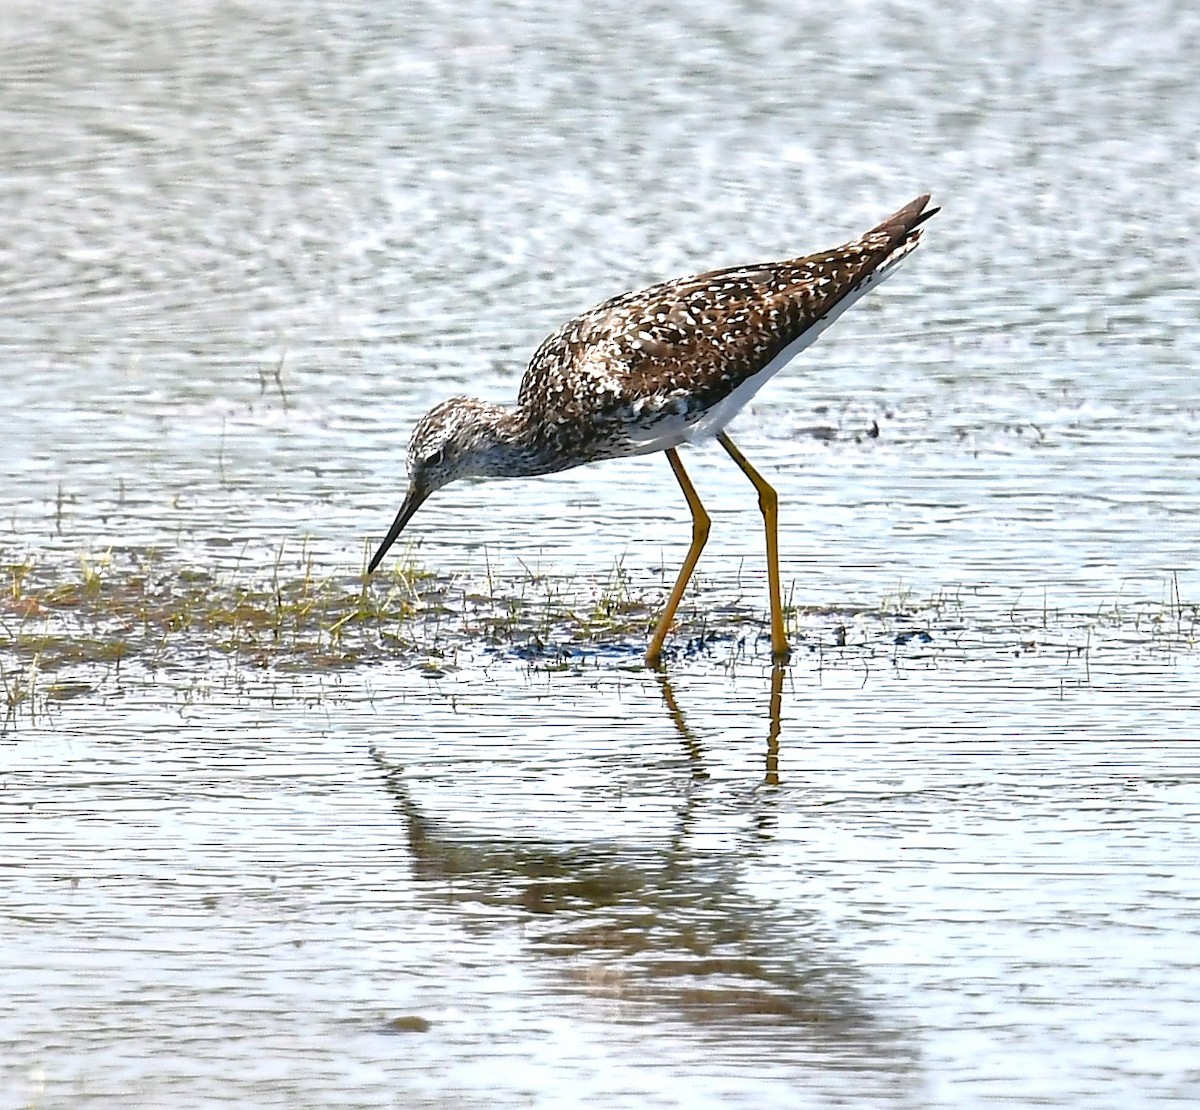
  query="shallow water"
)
[{"x": 948, "y": 858}]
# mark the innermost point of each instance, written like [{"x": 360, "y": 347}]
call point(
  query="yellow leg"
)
[
  {"x": 768, "y": 502},
  {"x": 701, "y": 522}
]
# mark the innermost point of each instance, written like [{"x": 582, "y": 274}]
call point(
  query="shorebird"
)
[{"x": 651, "y": 370}]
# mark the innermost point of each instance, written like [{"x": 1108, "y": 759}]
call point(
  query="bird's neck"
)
[{"x": 509, "y": 445}]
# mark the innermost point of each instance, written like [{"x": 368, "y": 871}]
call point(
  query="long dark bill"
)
[{"x": 412, "y": 502}]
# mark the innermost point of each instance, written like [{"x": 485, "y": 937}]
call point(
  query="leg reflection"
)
[
  {"x": 772, "y": 776},
  {"x": 692, "y": 744},
  {"x": 695, "y": 749}
]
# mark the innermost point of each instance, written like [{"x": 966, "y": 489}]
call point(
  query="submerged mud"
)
[{"x": 68, "y": 631}]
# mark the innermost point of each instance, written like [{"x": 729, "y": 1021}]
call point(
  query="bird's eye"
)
[{"x": 437, "y": 458}]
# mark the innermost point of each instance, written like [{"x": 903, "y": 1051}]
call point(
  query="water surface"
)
[{"x": 947, "y": 859}]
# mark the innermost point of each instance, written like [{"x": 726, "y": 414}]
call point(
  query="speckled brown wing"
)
[{"x": 674, "y": 350}]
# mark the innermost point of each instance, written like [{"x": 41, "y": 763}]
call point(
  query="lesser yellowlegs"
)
[{"x": 653, "y": 369}]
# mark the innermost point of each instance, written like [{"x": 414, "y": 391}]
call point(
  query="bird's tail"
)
[{"x": 900, "y": 231}]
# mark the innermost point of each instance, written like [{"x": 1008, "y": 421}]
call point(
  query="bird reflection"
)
[{"x": 669, "y": 922}]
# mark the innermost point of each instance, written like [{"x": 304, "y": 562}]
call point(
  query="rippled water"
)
[{"x": 244, "y": 248}]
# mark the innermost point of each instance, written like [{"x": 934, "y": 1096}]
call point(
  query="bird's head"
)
[{"x": 451, "y": 441}]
